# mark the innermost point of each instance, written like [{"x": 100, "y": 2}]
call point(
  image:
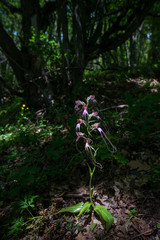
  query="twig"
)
[
  {"x": 148, "y": 231},
  {"x": 119, "y": 106},
  {"x": 76, "y": 195}
]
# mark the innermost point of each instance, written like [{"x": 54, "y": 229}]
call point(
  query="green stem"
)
[
  {"x": 31, "y": 219},
  {"x": 30, "y": 212},
  {"x": 91, "y": 172},
  {"x": 128, "y": 223}
]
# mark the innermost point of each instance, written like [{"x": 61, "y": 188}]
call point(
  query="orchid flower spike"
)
[{"x": 79, "y": 122}]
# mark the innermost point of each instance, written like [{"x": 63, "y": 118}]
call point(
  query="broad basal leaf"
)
[
  {"x": 72, "y": 209},
  {"x": 84, "y": 209},
  {"x": 105, "y": 215}
]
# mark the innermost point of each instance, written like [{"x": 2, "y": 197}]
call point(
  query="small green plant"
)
[
  {"x": 28, "y": 203},
  {"x": 9, "y": 111},
  {"x": 157, "y": 226},
  {"x": 132, "y": 214},
  {"x": 24, "y": 109},
  {"x": 21, "y": 223},
  {"x": 24, "y": 115},
  {"x": 16, "y": 228},
  {"x": 88, "y": 122}
]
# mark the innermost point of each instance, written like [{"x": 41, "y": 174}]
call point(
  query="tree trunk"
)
[
  {"x": 127, "y": 54},
  {"x": 132, "y": 51},
  {"x": 79, "y": 60},
  {"x": 62, "y": 28}
]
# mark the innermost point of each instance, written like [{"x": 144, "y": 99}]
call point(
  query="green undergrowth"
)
[
  {"x": 142, "y": 118},
  {"x": 35, "y": 153},
  {"x": 32, "y": 157}
]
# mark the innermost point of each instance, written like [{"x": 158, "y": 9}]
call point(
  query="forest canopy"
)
[{"x": 45, "y": 44}]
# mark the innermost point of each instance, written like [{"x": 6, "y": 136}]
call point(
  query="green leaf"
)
[
  {"x": 84, "y": 209},
  {"x": 105, "y": 215},
  {"x": 93, "y": 226},
  {"x": 32, "y": 205},
  {"x": 91, "y": 172},
  {"x": 72, "y": 209}
]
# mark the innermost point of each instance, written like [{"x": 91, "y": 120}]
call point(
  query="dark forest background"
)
[
  {"x": 48, "y": 46},
  {"x": 52, "y": 53}
]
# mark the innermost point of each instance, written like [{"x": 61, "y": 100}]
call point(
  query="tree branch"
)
[
  {"x": 46, "y": 12},
  {"x": 10, "y": 50},
  {"x": 118, "y": 34},
  {"x": 99, "y": 13}
]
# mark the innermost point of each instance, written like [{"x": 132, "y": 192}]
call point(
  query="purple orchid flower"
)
[
  {"x": 79, "y": 122},
  {"x": 95, "y": 114},
  {"x": 85, "y": 112},
  {"x": 79, "y": 135},
  {"x": 78, "y": 103},
  {"x": 103, "y": 135},
  {"x": 92, "y": 97},
  {"x": 96, "y": 126},
  {"x": 88, "y": 147}
]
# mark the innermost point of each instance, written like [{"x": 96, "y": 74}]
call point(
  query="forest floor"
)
[{"x": 122, "y": 189}]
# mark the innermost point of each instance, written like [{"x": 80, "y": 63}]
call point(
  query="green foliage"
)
[
  {"x": 27, "y": 203},
  {"x": 47, "y": 50},
  {"x": 132, "y": 214},
  {"x": 18, "y": 225},
  {"x": 57, "y": 149},
  {"x": 27, "y": 134},
  {"x": 154, "y": 176},
  {"x": 25, "y": 115},
  {"x": 157, "y": 226},
  {"x": 142, "y": 117},
  {"x": 85, "y": 209},
  {"x": 9, "y": 110},
  {"x": 120, "y": 158},
  {"x": 27, "y": 166},
  {"x": 103, "y": 154},
  {"x": 104, "y": 215},
  {"x": 24, "y": 180},
  {"x": 93, "y": 226},
  {"x": 27, "y": 176},
  {"x": 82, "y": 208},
  {"x": 16, "y": 229},
  {"x": 72, "y": 209}
]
